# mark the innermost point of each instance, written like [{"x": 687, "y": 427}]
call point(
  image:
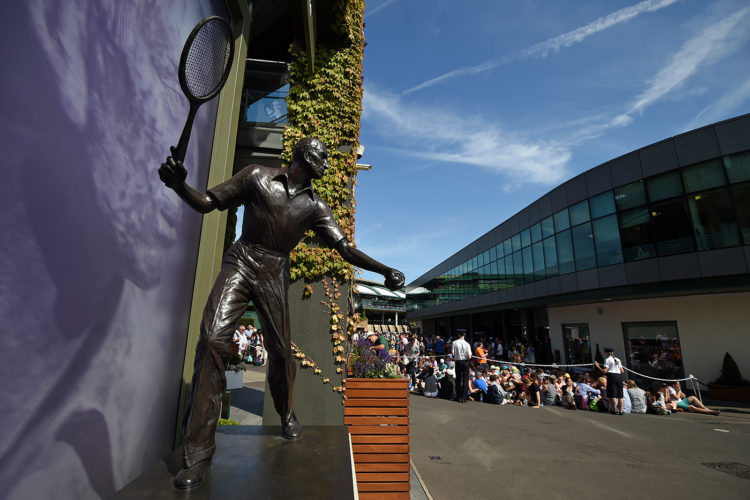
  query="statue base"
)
[{"x": 256, "y": 462}]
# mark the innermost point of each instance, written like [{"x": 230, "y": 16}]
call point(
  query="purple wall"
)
[{"x": 97, "y": 258}]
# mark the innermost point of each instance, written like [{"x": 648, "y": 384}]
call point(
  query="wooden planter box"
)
[
  {"x": 729, "y": 393},
  {"x": 376, "y": 412}
]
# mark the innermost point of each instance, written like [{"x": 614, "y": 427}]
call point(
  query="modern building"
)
[
  {"x": 378, "y": 305},
  {"x": 648, "y": 253}
]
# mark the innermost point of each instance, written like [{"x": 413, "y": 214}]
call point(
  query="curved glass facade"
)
[{"x": 703, "y": 206}]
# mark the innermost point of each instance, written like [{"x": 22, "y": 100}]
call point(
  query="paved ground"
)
[{"x": 476, "y": 450}]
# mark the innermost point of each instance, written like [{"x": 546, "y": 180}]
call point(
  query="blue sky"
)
[{"x": 473, "y": 110}]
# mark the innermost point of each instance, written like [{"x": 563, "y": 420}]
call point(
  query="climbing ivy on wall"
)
[{"x": 326, "y": 103}]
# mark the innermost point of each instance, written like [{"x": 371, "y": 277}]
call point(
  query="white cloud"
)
[
  {"x": 725, "y": 107},
  {"x": 554, "y": 44},
  {"x": 441, "y": 136},
  {"x": 712, "y": 43}
]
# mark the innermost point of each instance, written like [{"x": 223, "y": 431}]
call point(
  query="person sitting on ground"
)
[
  {"x": 429, "y": 384},
  {"x": 682, "y": 402},
  {"x": 535, "y": 392},
  {"x": 659, "y": 400},
  {"x": 585, "y": 390},
  {"x": 447, "y": 388},
  {"x": 568, "y": 393},
  {"x": 495, "y": 392},
  {"x": 637, "y": 397},
  {"x": 477, "y": 387},
  {"x": 627, "y": 405},
  {"x": 550, "y": 396}
]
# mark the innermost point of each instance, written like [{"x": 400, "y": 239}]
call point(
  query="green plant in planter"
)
[{"x": 730, "y": 373}]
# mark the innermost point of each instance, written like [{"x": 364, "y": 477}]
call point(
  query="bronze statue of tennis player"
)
[{"x": 280, "y": 205}]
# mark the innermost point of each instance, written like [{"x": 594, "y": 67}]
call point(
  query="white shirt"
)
[
  {"x": 613, "y": 364},
  {"x": 461, "y": 350}
]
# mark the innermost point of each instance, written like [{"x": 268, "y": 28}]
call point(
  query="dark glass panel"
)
[
  {"x": 536, "y": 232},
  {"x": 741, "y": 196},
  {"x": 637, "y": 242},
  {"x": 516, "y": 241},
  {"x": 509, "y": 273},
  {"x": 607, "y": 241},
  {"x": 548, "y": 227},
  {"x": 550, "y": 257},
  {"x": 583, "y": 243},
  {"x": 565, "y": 261},
  {"x": 525, "y": 238},
  {"x": 507, "y": 247},
  {"x": 703, "y": 176},
  {"x": 738, "y": 167},
  {"x": 579, "y": 213},
  {"x": 630, "y": 196},
  {"x": 528, "y": 265},
  {"x": 562, "y": 221},
  {"x": 493, "y": 254},
  {"x": 664, "y": 186},
  {"x": 517, "y": 268},
  {"x": 601, "y": 205},
  {"x": 713, "y": 219},
  {"x": 672, "y": 228},
  {"x": 538, "y": 254}
]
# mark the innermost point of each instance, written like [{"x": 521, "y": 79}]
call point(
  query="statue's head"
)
[{"x": 313, "y": 154}]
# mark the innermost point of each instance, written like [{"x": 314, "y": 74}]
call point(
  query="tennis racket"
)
[{"x": 204, "y": 68}]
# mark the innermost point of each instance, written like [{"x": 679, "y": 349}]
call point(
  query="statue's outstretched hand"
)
[
  {"x": 394, "y": 279},
  {"x": 172, "y": 173}
]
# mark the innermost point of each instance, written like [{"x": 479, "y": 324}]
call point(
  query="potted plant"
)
[
  {"x": 730, "y": 386},
  {"x": 376, "y": 411},
  {"x": 235, "y": 372}
]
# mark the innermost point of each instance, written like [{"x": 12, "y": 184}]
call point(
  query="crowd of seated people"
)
[{"x": 511, "y": 382}]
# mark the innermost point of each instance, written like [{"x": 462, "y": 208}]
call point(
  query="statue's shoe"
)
[
  {"x": 191, "y": 477},
  {"x": 291, "y": 429}
]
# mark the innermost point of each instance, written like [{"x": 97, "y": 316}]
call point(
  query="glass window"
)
[
  {"x": 738, "y": 167},
  {"x": 601, "y": 205},
  {"x": 741, "y": 195},
  {"x": 565, "y": 261},
  {"x": 517, "y": 268},
  {"x": 509, "y": 271},
  {"x": 499, "y": 250},
  {"x": 550, "y": 257},
  {"x": 607, "y": 241},
  {"x": 664, "y": 186},
  {"x": 516, "y": 241},
  {"x": 630, "y": 196},
  {"x": 548, "y": 227},
  {"x": 507, "y": 247},
  {"x": 712, "y": 215},
  {"x": 528, "y": 265},
  {"x": 579, "y": 213},
  {"x": 536, "y": 232},
  {"x": 577, "y": 343},
  {"x": 583, "y": 243},
  {"x": 637, "y": 242},
  {"x": 537, "y": 251},
  {"x": 492, "y": 254},
  {"x": 704, "y": 175},
  {"x": 672, "y": 228},
  {"x": 500, "y": 271},
  {"x": 653, "y": 349},
  {"x": 561, "y": 220},
  {"x": 525, "y": 238}
]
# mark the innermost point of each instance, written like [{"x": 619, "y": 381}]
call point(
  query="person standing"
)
[
  {"x": 411, "y": 357},
  {"x": 461, "y": 351},
  {"x": 613, "y": 369}
]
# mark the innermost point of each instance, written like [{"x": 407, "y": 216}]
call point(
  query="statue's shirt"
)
[{"x": 273, "y": 218}]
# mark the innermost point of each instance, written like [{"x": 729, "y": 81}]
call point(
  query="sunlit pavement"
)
[{"x": 477, "y": 450}]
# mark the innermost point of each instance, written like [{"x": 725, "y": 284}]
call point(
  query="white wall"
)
[{"x": 708, "y": 325}]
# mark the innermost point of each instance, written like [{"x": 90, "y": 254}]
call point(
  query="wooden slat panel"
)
[
  {"x": 392, "y": 467},
  {"x": 376, "y": 420},
  {"x": 365, "y": 439},
  {"x": 379, "y": 429},
  {"x": 383, "y": 486},
  {"x": 362, "y": 458},
  {"x": 382, "y": 477},
  {"x": 377, "y": 411},
  {"x": 377, "y": 403},
  {"x": 377, "y": 393},
  {"x": 380, "y": 448},
  {"x": 353, "y": 383},
  {"x": 401, "y": 495}
]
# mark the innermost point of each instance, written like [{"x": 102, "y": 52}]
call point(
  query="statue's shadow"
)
[{"x": 248, "y": 399}]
